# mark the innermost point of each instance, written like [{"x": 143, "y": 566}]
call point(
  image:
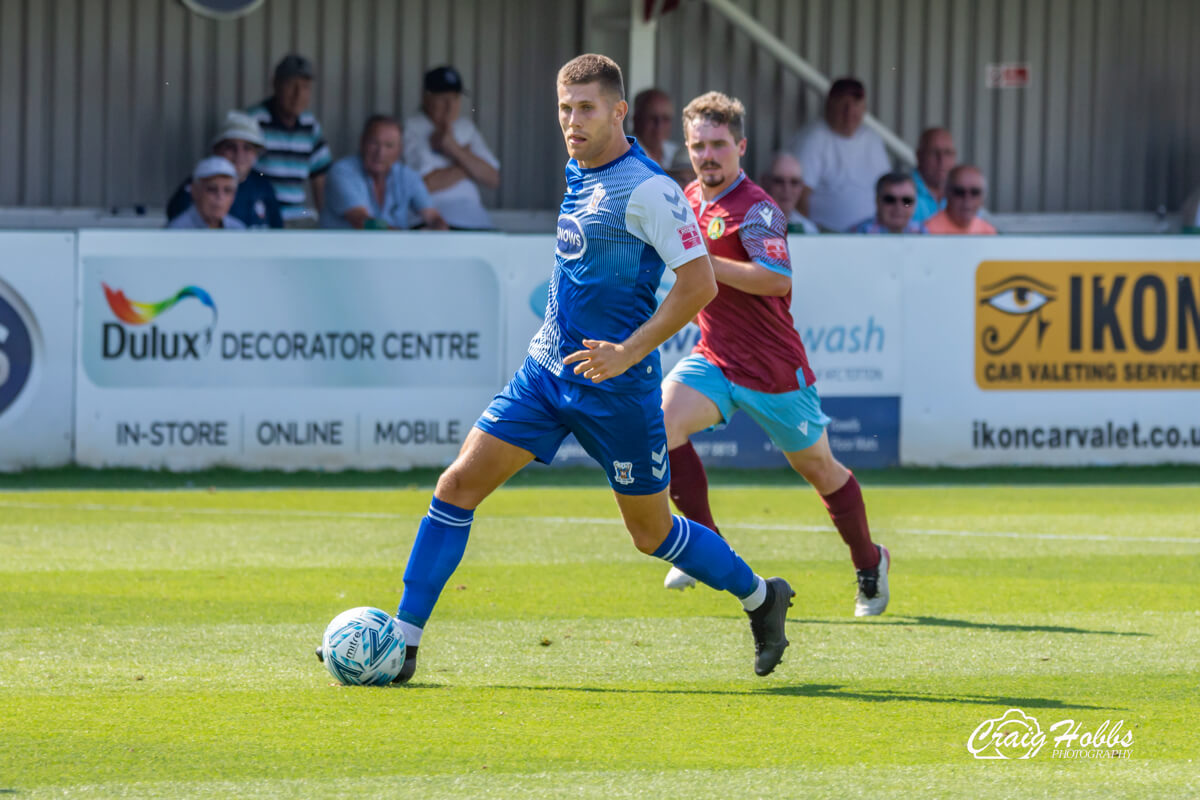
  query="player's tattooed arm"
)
[{"x": 694, "y": 287}]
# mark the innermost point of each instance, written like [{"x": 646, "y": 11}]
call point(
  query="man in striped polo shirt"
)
[{"x": 296, "y": 151}]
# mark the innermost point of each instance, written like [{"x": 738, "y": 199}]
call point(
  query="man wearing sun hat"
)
[
  {"x": 241, "y": 141},
  {"x": 448, "y": 152},
  {"x": 214, "y": 184}
]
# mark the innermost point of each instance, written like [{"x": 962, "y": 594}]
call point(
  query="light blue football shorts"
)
[{"x": 793, "y": 420}]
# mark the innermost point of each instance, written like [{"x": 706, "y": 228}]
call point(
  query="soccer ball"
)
[{"x": 363, "y": 647}]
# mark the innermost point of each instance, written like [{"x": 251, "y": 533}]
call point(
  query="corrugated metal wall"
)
[
  {"x": 109, "y": 102},
  {"x": 1111, "y": 120}
]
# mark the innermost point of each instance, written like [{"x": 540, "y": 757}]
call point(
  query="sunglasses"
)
[
  {"x": 964, "y": 191},
  {"x": 891, "y": 200}
]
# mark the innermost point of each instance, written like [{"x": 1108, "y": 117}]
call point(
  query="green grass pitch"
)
[{"x": 158, "y": 642}]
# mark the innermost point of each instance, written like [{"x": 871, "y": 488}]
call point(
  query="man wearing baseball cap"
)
[
  {"x": 241, "y": 141},
  {"x": 296, "y": 155},
  {"x": 214, "y": 183},
  {"x": 448, "y": 152}
]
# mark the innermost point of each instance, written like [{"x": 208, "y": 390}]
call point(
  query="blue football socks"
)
[
  {"x": 439, "y": 547},
  {"x": 708, "y": 558}
]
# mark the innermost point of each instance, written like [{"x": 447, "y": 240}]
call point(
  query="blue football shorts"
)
[
  {"x": 793, "y": 420},
  {"x": 624, "y": 433}
]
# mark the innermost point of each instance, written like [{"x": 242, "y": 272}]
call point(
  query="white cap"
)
[
  {"x": 240, "y": 125},
  {"x": 213, "y": 165}
]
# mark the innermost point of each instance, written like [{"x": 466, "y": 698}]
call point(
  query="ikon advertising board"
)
[
  {"x": 1053, "y": 351},
  {"x": 298, "y": 352},
  {"x": 37, "y": 320}
]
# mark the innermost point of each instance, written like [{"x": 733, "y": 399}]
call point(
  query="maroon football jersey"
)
[{"x": 750, "y": 337}]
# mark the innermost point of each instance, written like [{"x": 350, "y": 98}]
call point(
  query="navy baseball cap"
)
[
  {"x": 443, "y": 79},
  {"x": 293, "y": 65}
]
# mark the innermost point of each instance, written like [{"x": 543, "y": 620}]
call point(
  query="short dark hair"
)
[
  {"x": 379, "y": 119},
  {"x": 719, "y": 109},
  {"x": 593, "y": 68},
  {"x": 892, "y": 179}
]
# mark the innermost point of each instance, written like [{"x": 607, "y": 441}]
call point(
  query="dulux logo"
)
[
  {"x": 572, "y": 243},
  {"x": 154, "y": 344}
]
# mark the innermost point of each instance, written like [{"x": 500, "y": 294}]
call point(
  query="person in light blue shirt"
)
[
  {"x": 895, "y": 199},
  {"x": 936, "y": 156},
  {"x": 373, "y": 190}
]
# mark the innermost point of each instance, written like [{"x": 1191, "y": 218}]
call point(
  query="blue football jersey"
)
[{"x": 619, "y": 226}]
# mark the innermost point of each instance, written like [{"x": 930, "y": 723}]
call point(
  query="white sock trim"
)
[
  {"x": 757, "y": 597},
  {"x": 412, "y": 634}
]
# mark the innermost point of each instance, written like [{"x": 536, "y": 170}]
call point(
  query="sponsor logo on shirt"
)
[
  {"x": 775, "y": 248},
  {"x": 572, "y": 243},
  {"x": 690, "y": 236},
  {"x": 716, "y": 227}
]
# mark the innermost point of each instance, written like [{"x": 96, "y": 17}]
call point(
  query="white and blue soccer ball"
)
[{"x": 363, "y": 647}]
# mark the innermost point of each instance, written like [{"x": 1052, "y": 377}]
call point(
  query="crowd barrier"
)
[{"x": 315, "y": 350}]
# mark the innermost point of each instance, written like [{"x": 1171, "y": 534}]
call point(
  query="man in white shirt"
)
[
  {"x": 841, "y": 160},
  {"x": 449, "y": 153}
]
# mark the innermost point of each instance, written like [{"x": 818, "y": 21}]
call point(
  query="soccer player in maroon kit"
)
[{"x": 750, "y": 355}]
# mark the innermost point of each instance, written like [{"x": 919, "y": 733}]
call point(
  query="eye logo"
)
[{"x": 1016, "y": 296}]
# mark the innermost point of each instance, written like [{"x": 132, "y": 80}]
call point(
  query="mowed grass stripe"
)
[{"x": 151, "y": 652}]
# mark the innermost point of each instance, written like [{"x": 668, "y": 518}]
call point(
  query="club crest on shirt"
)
[
  {"x": 716, "y": 227},
  {"x": 598, "y": 194},
  {"x": 572, "y": 242},
  {"x": 623, "y": 472}
]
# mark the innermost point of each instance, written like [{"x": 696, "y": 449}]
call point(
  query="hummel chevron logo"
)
[
  {"x": 660, "y": 455},
  {"x": 673, "y": 198},
  {"x": 657, "y": 472}
]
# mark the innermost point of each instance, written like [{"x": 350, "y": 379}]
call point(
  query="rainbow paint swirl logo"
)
[{"x": 135, "y": 313}]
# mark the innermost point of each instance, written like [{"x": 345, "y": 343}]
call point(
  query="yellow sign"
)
[
  {"x": 1087, "y": 325},
  {"x": 716, "y": 227}
]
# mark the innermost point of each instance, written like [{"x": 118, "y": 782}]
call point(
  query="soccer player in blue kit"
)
[{"x": 593, "y": 368}]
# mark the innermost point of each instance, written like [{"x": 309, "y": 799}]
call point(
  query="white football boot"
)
[
  {"x": 678, "y": 579},
  {"x": 872, "y": 599}
]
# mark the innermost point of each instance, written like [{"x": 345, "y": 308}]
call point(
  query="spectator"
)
[
  {"x": 895, "y": 202},
  {"x": 965, "y": 192},
  {"x": 841, "y": 160},
  {"x": 373, "y": 190},
  {"x": 936, "y": 156},
  {"x": 449, "y": 153},
  {"x": 296, "y": 153},
  {"x": 784, "y": 182},
  {"x": 241, "y": 142},
  {"x": 653, "y": 114},
  {"x": 214, "y": 185}
]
